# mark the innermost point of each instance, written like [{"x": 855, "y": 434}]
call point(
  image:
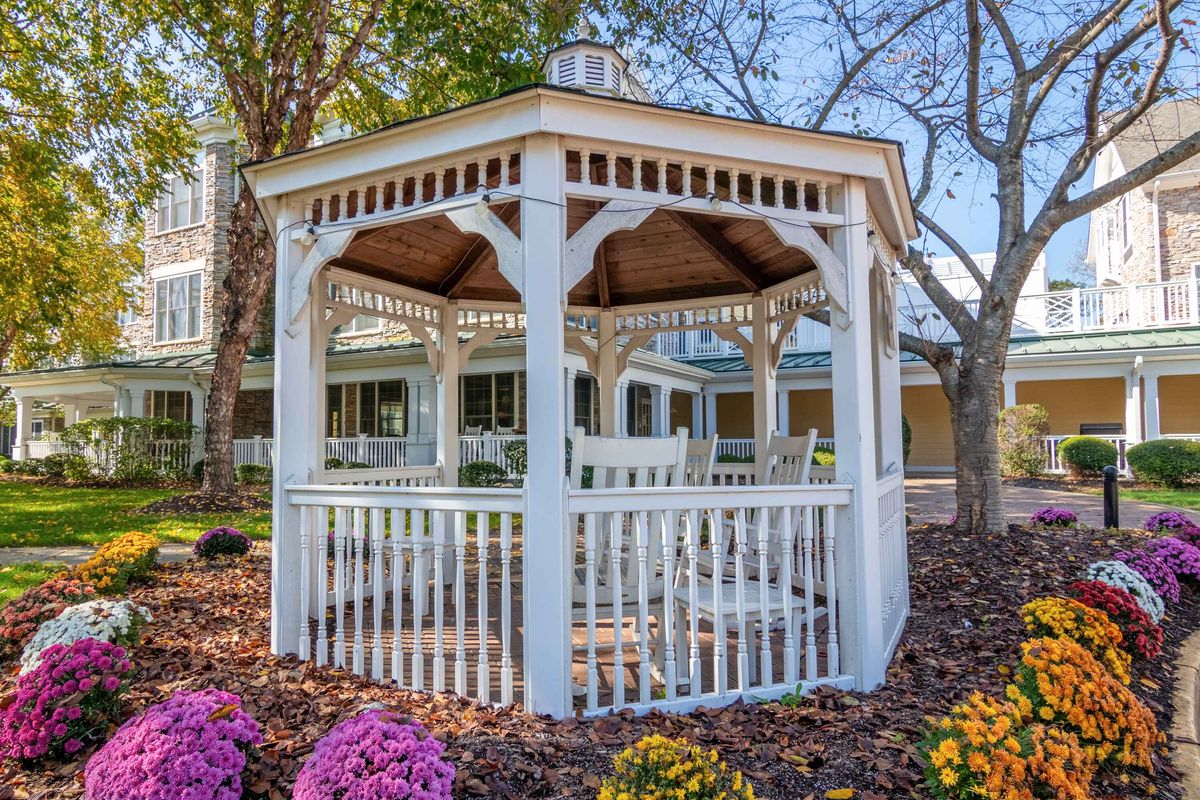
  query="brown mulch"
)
[
  {"x": 211, "y": 629},
  {"x": 207, "y": 503},
  {"x": 1069, "y": 483}
]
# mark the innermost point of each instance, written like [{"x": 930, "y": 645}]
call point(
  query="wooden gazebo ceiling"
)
[{"x": 673, "y": 255}]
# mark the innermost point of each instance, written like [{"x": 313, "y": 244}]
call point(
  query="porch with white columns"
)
[{"x": 417, "y": 595}]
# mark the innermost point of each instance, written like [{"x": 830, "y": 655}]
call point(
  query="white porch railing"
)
[
  {"x": 40, "y": 448},
  {"x": 378, "y": 451},
  {"x": 744, "y": 448},
  {"x": 1053, "y": 463},
  {"x": 487, "y": 447},
  {"x": 893, "y": 552}
]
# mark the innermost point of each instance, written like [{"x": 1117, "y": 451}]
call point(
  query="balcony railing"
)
[{"x": 1105, "y": 309}]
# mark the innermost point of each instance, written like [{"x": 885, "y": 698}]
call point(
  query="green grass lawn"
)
[
  {"x": 1180, "y": 498},
  {"x": 16, "y": 578},
  {"x": 33, "y": 515}
]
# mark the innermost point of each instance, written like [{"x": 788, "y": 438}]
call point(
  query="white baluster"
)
[
  {"x": 398, "y": 595},
  {"x": 693, "y": 556},
  {"x": 460, "y": 603},
  {"x": 506, "y": 666},
  {"x": 611, "y": 169},
  {"x": 642, "y": 531},
  {"x": 756, "y": 188},
  {"x": 834, "y": 666},
  {"x": 377, "y": 595},
  {"x": 589, "y": 582},
  {"x": 322, "y": 514},
  {"x": 306, "y": 575},
  {"x": 380, "y": 190},
  {"x": 460, "y": 179},
  {"x": 662, "y": 176},
  {"x": 439, "y": 600},
  {"x": 359, "y": 541},
  {"x": 481, "y": 177},
  {"x": 637, "y": 172},
  {"x": 614, "y": 538},
  {"x": 810, "y": 612},
  {"x": 666, "y": 523},
  {"x": 420, "y": 591},
  {"x": 361, "y": 210},
  {"x": 686, "y": 169},
  {"x": 439, "y": 184},
  {"x": 504, "y": 168},
  {"x": 735, "y": 193},
  {"x": 339, "y": 587},
  {"x": 585, "y": 167},
  {"x": 739, "y": 579},
  {"x": 483, "y": 670},
  {"x": 716, "y": 526},
  {"x": 779, "y": 191},
  {"x": 765, "y": 672},
  {"x": 710, "y": 180},
  {"x": 822, "y": 204}
]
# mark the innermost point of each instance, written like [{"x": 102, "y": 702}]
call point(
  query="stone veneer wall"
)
[
  {"x": 206, "y": 241},
  {"x": 1178, "y": 239},
  {"x": 1179, "y": 220}
]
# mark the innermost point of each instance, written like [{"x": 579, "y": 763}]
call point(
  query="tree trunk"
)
[{"x": 251, "y": 274}]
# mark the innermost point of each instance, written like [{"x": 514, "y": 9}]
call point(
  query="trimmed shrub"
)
[
  {"x": 252, "y": 473},
  {"x": 1086, "y": 455},
  {"x": 481, "y": 473},
  {"x": 6, "y": 464},
  {"x": 31, "y": 467},
  {"x": 1140, "y": 636},
  {"x": 115, "y": 621},
  {"x": 198, "y": 471},
  {"x": 822, "y": 456},
  {"x": 20, "y": 618},
  {"x": 70, "y": 699},
  {"x": 128, "y": 557},
  {"x": 195, "y": 745},
  {"x": 1059, "y": 682},
  {"x": 905, "y": 436},
  {"x": 1167, "y": 462},
  {"x": 983, "y": 748},
  {"x": 1022, "y": 429},
  {"x": 1157, "y": 572},
  {"x": 66, "y": 465},
  {"x": 222, "y": 541},
  {"x": 377, "y": 755},
  {"x": 130, "y": 449},
  {"x": 733, "y": 458},
  {"x": 659, "y": 768},
  {"x": 516, "y": 453}
]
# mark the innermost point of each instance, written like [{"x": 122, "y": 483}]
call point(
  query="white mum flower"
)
[
  {"x": 1122, "y": 576},
  {"x": 106, "y": 620}
]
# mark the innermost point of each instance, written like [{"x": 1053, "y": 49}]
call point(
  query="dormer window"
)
[{"x": 182, "y": 203}]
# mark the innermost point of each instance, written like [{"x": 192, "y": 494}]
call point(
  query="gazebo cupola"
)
[{"x": 593, "y": 67}]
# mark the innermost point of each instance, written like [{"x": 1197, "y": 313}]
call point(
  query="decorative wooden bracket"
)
[
  {"x": 636, "y": 341},
  {"x": 575, "y": 342},
  {"x": 734, "y": 336},
  {"x": 492, "y": 228},
  {"x": 422, "y": 334},
  {"x": 337, "y": 316},
  {"x": 481, "y": 338},
  {"x": 616, "y": 215},
  {"x": 787, "y": 322},
  {"x": 833, "y": 271},
  {"x": 887, "y": 307},
  {"x": 327, "y": 247}
]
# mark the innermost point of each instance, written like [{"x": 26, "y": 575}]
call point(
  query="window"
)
[
  {"x": 169, "y": 405},
  {"x": 333, "y": 411},
  {"x": 1121, "y": 223},
  {"x": 129, "y": 314},
  {"x": 639, "y": 413},
  {"x": 491, "y": 401},
  {"x": 182, "y": 203},
  {"x": 360, "y": 324},
  {"x": 586, "y": 397},
  {"x": 380, "y": 409},
  {"x": 391, "y": 408},
  {"x": 177, "y": 308}
]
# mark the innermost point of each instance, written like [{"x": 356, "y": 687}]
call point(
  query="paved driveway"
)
[{"x": 932, "y": 500}]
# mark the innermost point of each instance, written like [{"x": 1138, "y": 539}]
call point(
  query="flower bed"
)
[
  {"x": 1180, "y": 557},
  {"x": 1168, "y": 521},
  {"x": 1122, "y": 576},
  {"x": 20, "y": 618},
  {"x": 1140, "y": 636},
  {"x": 69, "y": 699},
  {"x": 194, "y": 745},
  {"x": 116, "y": 563},
  {"x": 222, "y": 541},
  {"x": 1058, "y": 616},
  {"x": 115, "y": 621},
  {"x": 659, "y": 768},
  {"x": 1156, "y": 572}
]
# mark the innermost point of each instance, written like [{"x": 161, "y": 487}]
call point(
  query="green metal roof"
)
[{"x": 1105, "y": 342}]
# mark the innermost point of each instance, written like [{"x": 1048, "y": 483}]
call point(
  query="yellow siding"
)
[
  {"x": 1075, "y": 402},
  {"x": 1179, "y": 403},
  {"x": 681, "y": 411},
  {"x": 735, "y": 415},
  {"x": 810, "y": 408},
  {"x": 928, "y": 413}
]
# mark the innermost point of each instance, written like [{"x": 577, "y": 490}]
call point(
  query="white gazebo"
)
[{"x": 584, "y": 221}]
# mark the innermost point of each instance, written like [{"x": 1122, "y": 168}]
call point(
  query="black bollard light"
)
[{"x": 1110, "y": 498}]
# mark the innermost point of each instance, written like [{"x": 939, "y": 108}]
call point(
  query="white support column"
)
[
  {"x": 765, "y": 415},
  {"x": 606, "y": 381},
  {"x": 890, "y": 453},
  {"x": 1133, "y": 408},
  {"x": 710, "y": 413},
  {"x": 118, "y": 396},
  {"x": 1153, "y": 420},
  {"x": 70, "y": 414},
  {"x": 1010, "y": 392},
  {"x": 698, "y": 416},
  {"x": 622, "y": 408},
  {"x": 24, "y": 427},
  {"x": 198, "y": 399},
  {"x": 298, "y": 429},
  {"x": 547, "y": 547},
  {"x": 420, "y": 429},
  {"x": 858, "y": 554},
  {"x": 137, "y": 402},
  {"x": 784, "y": 413},
  {"x": 660, "y": 410},
  {"x": 569, "y": 400},
  {"x": 124, "y": 403},
  {"x": 447, "y": 395}
]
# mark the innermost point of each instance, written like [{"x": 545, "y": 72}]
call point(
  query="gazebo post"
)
[
  {"x": 606, "y": 359},
  {"x": 547, "y": 549},
  {"x": 763, "y": 363},
  {"x": 860, "y": 594},
  {"x": 299, "y": 380},
  {"x": 447, "y": 394}
]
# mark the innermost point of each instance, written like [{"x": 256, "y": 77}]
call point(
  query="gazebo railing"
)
[{"x": 893, "y": 558}]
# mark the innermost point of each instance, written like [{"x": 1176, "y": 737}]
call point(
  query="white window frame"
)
[
  {"x": 362, "y": 323},
  {"x": 167, "y": 203},
  {"x": 194, "y": 318}
]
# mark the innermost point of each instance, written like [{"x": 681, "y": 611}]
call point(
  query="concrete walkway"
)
[
  {"x": 168, "y": 551},
  {"x": 932, "y": 500}
]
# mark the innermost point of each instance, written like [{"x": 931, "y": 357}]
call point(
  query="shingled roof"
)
[{"x": 1163, "y": 126}]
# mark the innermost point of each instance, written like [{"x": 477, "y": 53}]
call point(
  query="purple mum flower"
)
[
  {"x": 1054, "y": 517},
  {"x": 377, "y": 755},
  {"x": 194, "y": 745},
  {"x": 222, "y": 541},
  {"x": 1179, "y": 556},
  {"x": 1168, "y": 521},
  {"x": 1154, "y": 570}
]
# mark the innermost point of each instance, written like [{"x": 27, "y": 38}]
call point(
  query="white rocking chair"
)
[{"x": 701, "y": 455}]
